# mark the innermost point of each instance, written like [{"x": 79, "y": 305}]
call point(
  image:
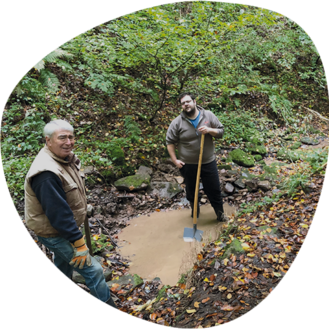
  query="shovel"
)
[{"x": 193, "y": 233}]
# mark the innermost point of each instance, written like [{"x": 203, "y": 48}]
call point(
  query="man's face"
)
[
  {"x": 188, "y": 105},
  {"x": 61, "y": 143}
]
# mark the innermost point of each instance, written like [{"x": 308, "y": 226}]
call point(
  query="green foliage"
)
[
  {"x": 24, "y": 137},
  {"x": 132, "y": 129},
  {"x": 101, "y": 243},
  {"x": 15, "y": 170}
]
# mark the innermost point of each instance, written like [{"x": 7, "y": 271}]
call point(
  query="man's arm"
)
[
  {"x": 216, "y": 129},
  {"x": 212, "y": 131},
  {"x": 171, "y": 150},
  {"x": 48, "y": 189}
]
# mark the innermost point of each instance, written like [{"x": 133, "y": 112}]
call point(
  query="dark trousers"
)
[{"x": 210, "y": 181}]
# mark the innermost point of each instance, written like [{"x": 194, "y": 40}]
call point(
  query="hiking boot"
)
[
  {"x": 198, "y": 210},
  {"x": 221, "y": 217},
  {"x": 111, "y": 302}
]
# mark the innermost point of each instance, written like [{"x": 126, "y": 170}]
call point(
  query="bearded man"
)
[{"x": 185, "y": 132}]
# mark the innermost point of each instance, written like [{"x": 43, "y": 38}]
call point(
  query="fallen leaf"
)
[
  {"x": 190, "y": 311},
  {"x": 196, "y": 304},
  {"x": 205, "y": 300},
  {"x": 153, "y": 316},
  {"x": 227, "y": 307}
]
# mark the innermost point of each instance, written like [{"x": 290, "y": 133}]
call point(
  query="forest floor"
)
[{"x": 230, "y": 275}]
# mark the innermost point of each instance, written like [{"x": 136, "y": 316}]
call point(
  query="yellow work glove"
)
[{"x": 81, "y": 254}]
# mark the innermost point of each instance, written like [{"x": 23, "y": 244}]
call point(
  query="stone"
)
[
  {"x": 242, "y": 158},
  {"x": 228, "y": 188},
  {"x": 165, "y": 189},
  {"x": 239, "y": 183},
  {"x": 252, "y": 184},
  {"x": 165, "y": 167},
  {"x": 125, "y": 280},
  {"x": 309, "y": 141},
  {"x": 111, "y": 208},
  {"x": 295, "y": 146},
  {"x": 258, "y": 157},
  {"x": 90, "y": 210},
  {"x": 264, "y": 185},
  {"x": 144, "y": 170},
  {"x": 88, "y": 169},
  {"x": 285, "y": 154},
  {"x": 179, "y": 179},
  {"x": 135, "y": 182},
  {"x": 256, "y": 148},
  {"x": 226, "y": 167}
]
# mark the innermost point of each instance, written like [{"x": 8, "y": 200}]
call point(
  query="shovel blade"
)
[{"x": 191, "y": 234}]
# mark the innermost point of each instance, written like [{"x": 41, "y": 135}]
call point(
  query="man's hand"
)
[
  {"x": 207, "y": 130},
  {"x": 179, "y": 164},
  {"x": 80, "y": 254}
]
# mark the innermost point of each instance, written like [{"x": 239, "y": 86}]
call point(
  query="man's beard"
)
[{"x": 192, "y": 112}]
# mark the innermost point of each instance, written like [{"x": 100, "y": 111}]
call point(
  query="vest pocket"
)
[{"x": 73, "y": 197}]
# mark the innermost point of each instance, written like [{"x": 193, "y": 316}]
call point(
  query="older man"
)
[
  {"x": 185, "y": 132},
  {"x": 56, "y": 205}
]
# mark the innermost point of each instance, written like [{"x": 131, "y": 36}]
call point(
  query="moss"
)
[
  {"x": 258, "y": 157},
  {"x": 242, "y": 158},
  {"x": 137, "y": 280},
  {"x": 295, "y": 146},
  {"x": 233, "y": 248},
  {"x": 285, "y": 154},
  {"x": 135, "y": 180},
  {"x": 256, "y": 148},
  {"x": 226, "y": 167},
  {"x": 162, "y": 292}
]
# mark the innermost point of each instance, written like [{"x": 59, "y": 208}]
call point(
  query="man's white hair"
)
[{"x": 54, "y": 125}]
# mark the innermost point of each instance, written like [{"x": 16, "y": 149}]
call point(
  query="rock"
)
[
  {"x": 78, "y": 278},
  {"x": 165, "y": 189},
  {"x": 226, "y": 167},
  {"x": 258, "y": 157},
  {"x": 88, "y": 169},
  {"x": 264, "y": 185},
  {"x": 256, "y": 148},
  {"x": 239, "y": 183},
  {"x": 111, "y": 208},
  {"x": 165, "y": 167},
  {"x": 252, "y": 184},
  {"x": 285, "y": 154},
  {"x": 98, "y": 210},
  {"x": 90, "y": 210},
  {"x": 295, "y": 146},
  {"x": 133, "y": 183},
  {"x": 132, "y": 281},
  {"x": 242, "y": 158},
  {"x": 144, "y": 170},
  {"x": 309, "y": 141},
  {"x": 179, "y": 179},
  {"x": 228, "y": 188},
  {"x": 203, "y": 200}
]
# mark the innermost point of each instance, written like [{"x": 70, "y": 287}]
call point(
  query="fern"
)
[{"x": 49, "y": 80}]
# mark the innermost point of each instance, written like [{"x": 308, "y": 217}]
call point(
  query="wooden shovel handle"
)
[{"x": 196, "y": 196}]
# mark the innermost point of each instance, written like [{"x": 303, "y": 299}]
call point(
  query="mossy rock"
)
[
  {"x": 226, "y": 167},
  {"x": 295, "y": 146},
  {"x": 162, "y": 292},
  {"x": 258, "y": 157},
  {"x": 270, "y": 169},
  {"x": 262, "y": 162},
  {"x": 309, "y": 141},
  {"x": 286, "y": 154},
  {"x": 242, "y": 158},
  {"x": 256, "y": 148},
  {"x": 135, "y": 281},
  {"x": 133, "y": 183}
]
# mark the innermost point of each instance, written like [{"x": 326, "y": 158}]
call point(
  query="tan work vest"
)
[{"x": 73, "y": 185}]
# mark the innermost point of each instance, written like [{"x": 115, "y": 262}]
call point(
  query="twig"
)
[
  {"x": 316, "y": 113},
  {"x": 106, "y": 231}
]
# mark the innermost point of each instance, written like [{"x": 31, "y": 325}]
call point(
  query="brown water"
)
[{"x": 155, "y": 245}]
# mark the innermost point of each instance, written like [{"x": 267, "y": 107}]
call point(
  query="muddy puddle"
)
[{"x": 154, "y": 243}]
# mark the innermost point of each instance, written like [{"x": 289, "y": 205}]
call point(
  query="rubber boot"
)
[
  {"x": 221, "y": 217},
  {"x": 111, "y": 302}
]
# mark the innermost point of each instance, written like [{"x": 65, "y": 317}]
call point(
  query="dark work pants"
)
[{"x": 210, "y": 181}]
